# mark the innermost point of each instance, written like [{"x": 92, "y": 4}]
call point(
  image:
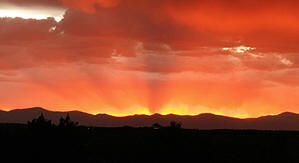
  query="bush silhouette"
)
[
  {"x": 40, "y": 122},
  {"x": 174, "y": 124},
  {"x": 67, "y": 122}
]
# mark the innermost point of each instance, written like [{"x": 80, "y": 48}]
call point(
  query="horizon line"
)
[{"x": 120, "y": 116}]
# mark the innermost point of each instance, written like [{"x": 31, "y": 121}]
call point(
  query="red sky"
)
[{"x": 122, "y": 57}]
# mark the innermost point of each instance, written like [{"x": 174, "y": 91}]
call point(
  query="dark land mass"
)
[
  {"x": 284, "y": 121},
  {"x": 20, "y": 143},
  {"x": 26, "y": 138}
]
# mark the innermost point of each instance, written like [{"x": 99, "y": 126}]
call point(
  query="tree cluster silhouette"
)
[
  {"x": 67, "y": 122},
  {"x": 41, "y": 122}
]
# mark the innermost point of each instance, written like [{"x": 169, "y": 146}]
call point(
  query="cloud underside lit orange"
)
[{"x": 125, "y": 57}]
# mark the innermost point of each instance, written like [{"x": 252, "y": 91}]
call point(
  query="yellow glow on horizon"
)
[
  {"x": 187, "y": 110},
  {"x": 129, "y": 112},
  {"x": 182, "y": 110},
  {"x": 178, "y": 109}
]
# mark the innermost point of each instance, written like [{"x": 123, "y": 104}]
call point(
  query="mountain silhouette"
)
[{"x": 283, "y": 121}]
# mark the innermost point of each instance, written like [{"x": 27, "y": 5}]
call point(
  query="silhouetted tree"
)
[
  {"x": 67, "y": 122},
  {"x": 174, "y": 124},
  {"x": 156, "y": 126},
  {"x": 40, "y": 122}
]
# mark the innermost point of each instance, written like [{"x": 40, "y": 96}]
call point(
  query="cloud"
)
[
  {"x": 31, "y": 43},
  {"x": 30, "y": 12},
  {"x": 231, "y": 55},
  {"x": 89, "y": 5},
  {"x": 198, "y": 22},
  {"x": 239, "y": 49},
  {"x": 45, "y": 3}
]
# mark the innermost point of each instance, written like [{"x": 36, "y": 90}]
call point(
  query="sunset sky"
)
[{"x": 236, "y": 58}]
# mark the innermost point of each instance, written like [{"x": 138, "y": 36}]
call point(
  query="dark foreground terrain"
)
[{"x": 22, "y": 143}]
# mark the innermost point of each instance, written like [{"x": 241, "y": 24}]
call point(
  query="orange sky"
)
[{"x": 122, "y": 57}]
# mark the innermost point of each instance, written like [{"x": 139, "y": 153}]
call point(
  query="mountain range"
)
[{"x": 283, "y": 121}]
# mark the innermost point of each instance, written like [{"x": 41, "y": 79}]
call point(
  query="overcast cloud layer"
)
[{"x": 121, "y": 57}]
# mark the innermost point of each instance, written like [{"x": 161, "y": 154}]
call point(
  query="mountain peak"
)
[
  {"x": 287, "y": 114},
  {"x": 39, "y": 109}
]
